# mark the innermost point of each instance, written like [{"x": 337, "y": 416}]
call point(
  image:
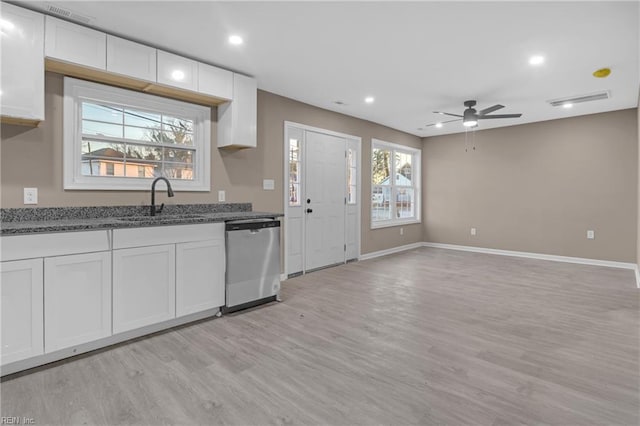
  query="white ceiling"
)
[{"x": 413, "y": 57}]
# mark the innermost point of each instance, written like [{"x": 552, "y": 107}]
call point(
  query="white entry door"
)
[{"x": 324, "y": 201}]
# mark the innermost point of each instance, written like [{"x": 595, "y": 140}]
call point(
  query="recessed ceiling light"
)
[
  {"x": 177, "y": 75},
  {"x": 369, "y": 99},
  {"x": 438, "y": 125},
  {"x": 567, "y": 106},
  {"x": 236, "y": 40},
  {"x": 536, "y": 60}
]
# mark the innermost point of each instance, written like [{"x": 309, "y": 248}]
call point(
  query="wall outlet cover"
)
[
  {"x": 30, "y": 195},
  {"x": 222, "y": 196},
  {"x": 591, "y": 235},
  {"x": 268, "y": 184},
  {"x": 473, "y": 231}
]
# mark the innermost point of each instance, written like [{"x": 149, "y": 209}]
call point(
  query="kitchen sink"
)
[{"x": 159, "y": 217}]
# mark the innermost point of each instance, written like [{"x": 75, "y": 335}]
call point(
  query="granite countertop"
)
[{"x": 60, "y": 219}]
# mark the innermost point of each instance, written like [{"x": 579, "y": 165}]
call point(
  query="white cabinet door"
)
[
  {"x": 143, "y": 286},
  {"x": 176, "y": 71},
  {"x": 237, "y": 120},
  {"x": 77, "y": 299},
  {"x": 74, "y": 43},
  {"x": 22, "y": 63},
  {"x": 199, "y": 276},
  {"x": 22, "y": 305},
  {"x": 215, "y": 81},
  {"x": 131, "y": 59}
]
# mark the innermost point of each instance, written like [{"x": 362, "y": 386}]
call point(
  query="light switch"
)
[
  {"x": 221, "y": 195},
  {"x": 268, "y": 184}
]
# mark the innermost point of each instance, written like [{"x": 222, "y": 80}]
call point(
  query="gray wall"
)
[
  {"x": 33, "y": 158},
  {"x": 538, "y": 187}
]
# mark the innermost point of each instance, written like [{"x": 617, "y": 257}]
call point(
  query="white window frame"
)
[
  {"x": 416, "y": 164},
  {"x": 76, "y": 91}
]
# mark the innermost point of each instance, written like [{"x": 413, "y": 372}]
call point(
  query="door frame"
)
[{"x": 358, "y": 144}]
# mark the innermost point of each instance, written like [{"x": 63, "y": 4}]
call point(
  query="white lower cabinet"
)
[
  {"x": 61, "y": 291},
  {"x": 199, "y": 276},
  {"x": 143, "y": 286},
  {"x": 21, "y": 290},
  {"x": 77, "y": 299}
]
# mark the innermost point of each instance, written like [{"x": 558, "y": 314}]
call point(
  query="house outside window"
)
[
  {"x": 121, "y": 139},
  {"x": 395, "y": 184}
]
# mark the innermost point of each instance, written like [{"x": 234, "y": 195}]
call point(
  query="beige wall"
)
[
  {"x": 538, "y": 187},
  {"x": 33, "y": 158},
  {"x": 274, "y": 110}
]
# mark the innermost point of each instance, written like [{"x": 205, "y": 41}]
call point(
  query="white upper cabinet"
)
[
  {"x": 176, "y": 71},
  {"x": 73, "y": 43},
  {"x": 22, "y": 69},
  {"x": 237, "y": 120},
  {"x": 215, "y": 81},
  {"x": 131, "y": 59}
]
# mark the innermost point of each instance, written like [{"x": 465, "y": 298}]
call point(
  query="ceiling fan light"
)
[{"x": 470, "y": 123}]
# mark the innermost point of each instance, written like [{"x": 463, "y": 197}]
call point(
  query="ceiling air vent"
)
[
  {"x": 66, "y": 13},
  {"x": 581, "y": 98}
]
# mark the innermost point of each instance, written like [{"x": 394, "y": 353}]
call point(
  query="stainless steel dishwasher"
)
[{"x": 253, "y": 263}]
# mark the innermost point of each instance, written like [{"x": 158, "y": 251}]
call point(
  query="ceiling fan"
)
[{"x": 471, "y": 117}]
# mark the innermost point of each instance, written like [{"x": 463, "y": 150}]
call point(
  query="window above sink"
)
[{"x": 117, "y": 139}]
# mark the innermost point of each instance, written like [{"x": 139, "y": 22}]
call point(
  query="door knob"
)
[
  {"x": 308, "y": 200},
  {"x": 309, "y": 210}
]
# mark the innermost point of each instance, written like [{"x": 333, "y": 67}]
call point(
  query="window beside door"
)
[{"x": 395, "y": 184}]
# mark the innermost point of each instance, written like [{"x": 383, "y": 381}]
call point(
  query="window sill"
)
[{"x": 389, "y": 224}]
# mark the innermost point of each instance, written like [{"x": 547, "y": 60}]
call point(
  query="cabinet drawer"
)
[
  {"x": 16, "y": 247},
  {"x": 156, "y": 235}
]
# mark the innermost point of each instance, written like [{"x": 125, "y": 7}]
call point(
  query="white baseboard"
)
[
  {"x": 539, "y": 256},
  {"x": 638, "y": 276},
  {"x": 375, "y": 254}
]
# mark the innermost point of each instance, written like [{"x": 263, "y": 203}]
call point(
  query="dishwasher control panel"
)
[{"x": 236, "y": 226}]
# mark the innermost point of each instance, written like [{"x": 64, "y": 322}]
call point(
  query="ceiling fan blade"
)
[
  {"x": 447, "y": 113},
  {"x": 484, "y": 117},
  {"x": 443, "y": 122},
  {"x": 490, "y": 109}
]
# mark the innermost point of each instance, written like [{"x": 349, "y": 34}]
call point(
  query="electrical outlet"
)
[
  {"x": 221, "y": 196},
  {"x": 473, "y": 231},
  {"x": 591, "y": 235},
  {"x": 401, "y": 231},
  {"x": 30, "y": 195}
]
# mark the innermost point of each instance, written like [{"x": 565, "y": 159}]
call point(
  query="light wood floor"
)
[{"x": 429, "y": 337}]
